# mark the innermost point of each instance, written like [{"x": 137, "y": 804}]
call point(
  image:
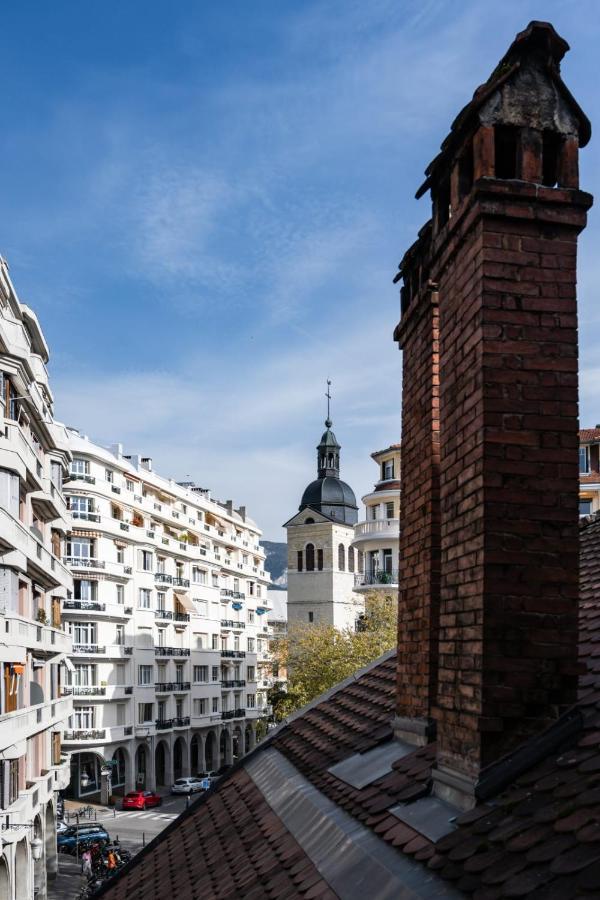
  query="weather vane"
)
[{"x": 328, "y": 395}]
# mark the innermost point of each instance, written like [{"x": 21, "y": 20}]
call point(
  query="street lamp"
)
[
  {"x": 85, "y": 779},
  {"x": 36, "y": 848}
]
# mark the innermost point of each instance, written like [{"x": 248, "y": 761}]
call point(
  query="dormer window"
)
[{"x": 387, "y": 469}]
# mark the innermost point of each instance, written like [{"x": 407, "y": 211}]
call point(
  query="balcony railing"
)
[
  {"x": 233, "y": 654},
  {"x": 229, "y": 623},
  {"x": 235, "y": 683},
  {"x": 171, "y": 651},
  {"x": 77, "y": 476},
  {"x": 82, "y": 734},
  {"x": 88, "y": 649},
  {"x": 376, "y": 578},
  {"x": 233, "y": 714},
  {"x": 83, "y": 562},
  {"x": 377, "y": 526},
  {"x": 78, "y": 691},
  {"x": 88, "y": 605},
  {"x": 165, "y": 687},
  {"x": 177, "y": 722},
  {"x": 181, "y": 582},
  {"x": 88, "y": 516},
  {"x": 171, "y": 616},
  {"x": 163, "y": 577}
]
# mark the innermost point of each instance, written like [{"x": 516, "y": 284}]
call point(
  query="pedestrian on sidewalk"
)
[{"x": 86, "y": 863}]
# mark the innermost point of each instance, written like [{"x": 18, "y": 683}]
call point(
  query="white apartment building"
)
[
  {"x": 169, "y": 625},
  {"x": 34, "y": 454},
  {"x": 377, "y": 537}
]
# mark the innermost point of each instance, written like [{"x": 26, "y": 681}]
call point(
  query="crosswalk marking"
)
[{"x": 143, "y": 814}]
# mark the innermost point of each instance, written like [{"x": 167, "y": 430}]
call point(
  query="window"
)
[
  {"x": 215, "y": 641},
  {"x": 361, "y": 561},
  {"x": 83, "y": 632},
  {"x": 215, "y": 704},
  {"x": 200, "y": 674},
  {"x": 79, "y": 547},
  {"x": 236, "y": 643},
  {"x": 119, "y": 635},
  {"x": 160, "y": 600},
  {"x": 387, "y": 469},
  {"x": 299, "y": 562},
  {"x": 250, "y": 673},
  {"x": 201, "y": 641},
  {"x": 144, "y": 674},
  {"x": 179, "y": 673},
  {"x": 120, "y": 555},
  {"x": 145, "y": 560},
  {"x": 109, "y": 474},
  {"x": 584, "y": 459},
  {"x": 84, "y": 675},
  {"x": 341, "y": 558},
  {"x": 80, "y": 467},
  {"x": 81, "y": 507},
  {"x": 83, "y": 717},
  {"x": 200, "y": 707},
  {"x": 145, "y": 712},
  {"x": 144, "y": 599},
  {"x": 202, "y": 607},
  {"x": 389, "y": 510},
  {"x": 585, "y": 507},
  {"x": 320, "y": 559},
  {"x": 9, "y": 782},
  {"x": 310, "y": 557},
  {"x": 351, "y": 559},
  {"x": 250, "y": 645},
  {"x": 251, "y": 701},
  {"x": 199, "y": 576},
  {"x": 215, "y": 673},
  {"x": 259, "y": 591},
  {"x": 215, "y": 579},
  {"x": 129, "y": 484},
  {"x": 311, "y": 617},
  {"x": 161, "y": 637},
  {"x": 120, "y": 594},
  {"x": 160, "y": 564},
  {"x": 251, "y": 616},
  {"x": 84, "y": 590}
]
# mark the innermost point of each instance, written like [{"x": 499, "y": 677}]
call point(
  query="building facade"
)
[
  {"x": 377, "y": 537},
  {"x": 589, "y": 470},
  {"x": 321, "y": 559},
  {"x": 169, "y": 625},
  {"x": 34, "y": 455}
]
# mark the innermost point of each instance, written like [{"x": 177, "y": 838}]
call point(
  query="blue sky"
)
[{"x": 206, "y": 203}]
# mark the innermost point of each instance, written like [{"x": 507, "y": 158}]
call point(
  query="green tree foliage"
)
[{"x": 318, "y": 656}]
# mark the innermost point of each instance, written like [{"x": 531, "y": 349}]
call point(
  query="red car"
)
[{"x": 141, "y": 800}]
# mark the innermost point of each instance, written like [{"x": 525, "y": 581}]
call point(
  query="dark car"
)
[
  {"x": 141, "y": 800},
  {"x": 81, "y": 836},
  {"x": 60, "y": 806}
]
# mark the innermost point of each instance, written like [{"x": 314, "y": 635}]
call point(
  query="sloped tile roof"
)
[
  {"x": 586, "y": 435},
  {"x": 231, "y": 846},
  {"x": 539, "y": 839}
]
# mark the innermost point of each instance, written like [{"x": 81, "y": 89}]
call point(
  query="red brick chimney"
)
[
  {"x": 419, "y": 594},
  {"x": 498, "y": 663}
]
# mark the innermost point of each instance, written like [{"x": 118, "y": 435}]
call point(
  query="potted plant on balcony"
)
[{"x": 41, "y": 617}]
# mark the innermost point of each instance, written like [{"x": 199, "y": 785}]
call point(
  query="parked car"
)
[
  {"x": 82, "y": 835},
  {"x": 187, "y": 786},
  {"x": 141, "y": 800},
  {"x": 61, "y": 826},
  {"x": 60, "y": 806}
]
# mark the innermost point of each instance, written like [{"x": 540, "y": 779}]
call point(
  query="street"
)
[{"x": 133, "y": 828}]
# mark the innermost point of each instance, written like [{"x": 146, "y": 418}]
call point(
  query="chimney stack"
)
[{"x": 489, "y": 522}]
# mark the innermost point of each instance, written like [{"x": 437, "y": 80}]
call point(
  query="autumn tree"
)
[{"x": 318, "y": 656}]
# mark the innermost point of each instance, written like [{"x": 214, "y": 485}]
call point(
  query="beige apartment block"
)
[
  {"x": 169, "y": 621},
  {"x": 34, "y": 456}
]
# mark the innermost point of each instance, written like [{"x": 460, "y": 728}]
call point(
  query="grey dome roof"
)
[{"x": 329, "y": 491}]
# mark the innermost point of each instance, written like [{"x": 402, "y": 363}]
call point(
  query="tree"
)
[{"x": 318, "y": 656}]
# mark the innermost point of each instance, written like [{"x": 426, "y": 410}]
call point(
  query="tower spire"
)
[{"x": 328, "y": 422}]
